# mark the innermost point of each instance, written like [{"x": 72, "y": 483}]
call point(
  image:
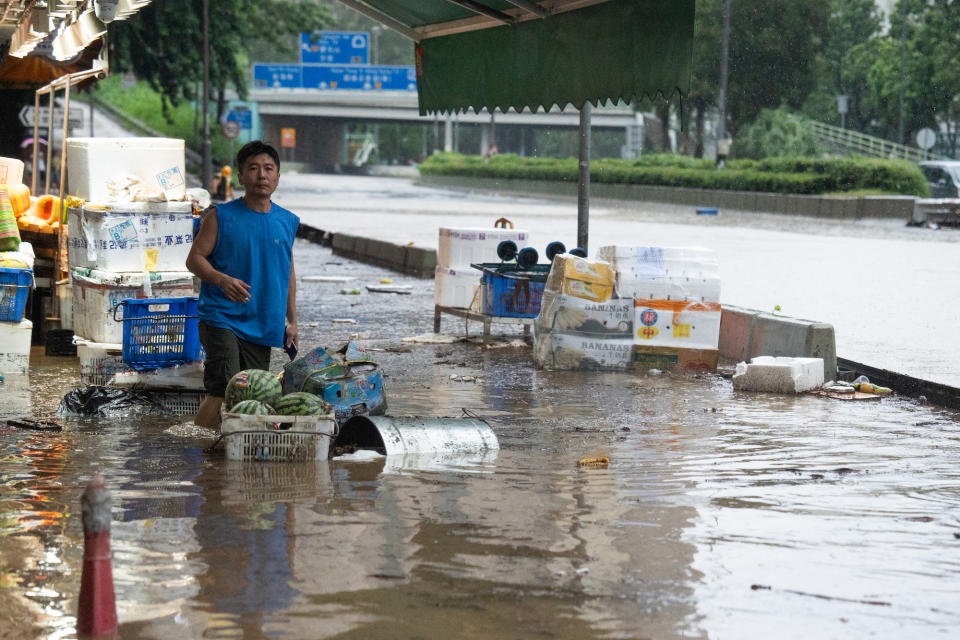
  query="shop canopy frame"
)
[{"x": 526, "y": 55}]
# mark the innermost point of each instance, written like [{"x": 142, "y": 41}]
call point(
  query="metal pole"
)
[
  {"x": 46, "y": 180},
  {"x": 57, "y": 266},
  {"x": 36, "y": 142},
  {"x": 583, "y": 186},
  {"x": 207, "y": 161},
  {"x": 724, "y": 63}
]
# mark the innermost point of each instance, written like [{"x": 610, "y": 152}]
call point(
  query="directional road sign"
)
[
  {"x": 359, "y": 77},
  {"x": 26, "y": 117},
  {"x": 335, "y": 47},
  {"x": 242, "y": 116},
  {"x": 277, "y": 76}
]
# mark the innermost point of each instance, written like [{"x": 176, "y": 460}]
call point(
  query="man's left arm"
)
[{"x": 292, "y": 337}]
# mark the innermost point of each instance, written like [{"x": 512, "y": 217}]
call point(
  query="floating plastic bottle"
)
[{"x": 863, "y": 385}]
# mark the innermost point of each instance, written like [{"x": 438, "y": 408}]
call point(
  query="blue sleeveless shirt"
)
[{"x": 256, "y": 248}]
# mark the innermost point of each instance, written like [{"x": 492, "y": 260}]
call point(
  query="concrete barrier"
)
[
  {"x": 842, "y": 207},
  {"x": 745, "y": 333}
]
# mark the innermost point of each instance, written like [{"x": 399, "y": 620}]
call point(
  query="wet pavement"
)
[
  {"x": 720, "y": 515},
  {"x": 887, "y": 289}
]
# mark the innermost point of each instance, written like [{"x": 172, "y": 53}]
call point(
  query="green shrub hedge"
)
[{"x": 772, "y": 175}]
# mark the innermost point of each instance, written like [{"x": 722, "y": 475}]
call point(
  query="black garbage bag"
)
[{"x": 108, "y": 401}]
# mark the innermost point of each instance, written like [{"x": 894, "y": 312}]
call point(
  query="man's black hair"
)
[{"x": 255, "y": 148}]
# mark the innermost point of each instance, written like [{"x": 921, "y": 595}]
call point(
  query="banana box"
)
[
  {"x": 582, "y": 278},
  {"x": 561, "y": 351},
  {"x": 569, "y": 314},
  {"x": 674, "y": 359}
]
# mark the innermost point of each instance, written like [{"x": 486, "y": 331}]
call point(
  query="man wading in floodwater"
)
[{"x": 243, "y": 253}]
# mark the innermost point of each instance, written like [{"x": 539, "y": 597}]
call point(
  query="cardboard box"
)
[
  {"x": 674, "y": 359},
  {"x": 560, "y": 351},
  {"x": 568, "y": 314},
  {"x": 587, "y": 279},
  {"x": 677, "y": 323}
]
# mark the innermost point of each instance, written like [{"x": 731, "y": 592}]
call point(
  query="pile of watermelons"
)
[{"x": 258, "y": 392}]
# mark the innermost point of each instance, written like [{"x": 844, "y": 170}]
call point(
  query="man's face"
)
[{"x": 259, "y": 175}]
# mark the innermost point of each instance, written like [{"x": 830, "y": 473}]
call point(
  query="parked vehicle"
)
[{"x": 943, "y": 176}]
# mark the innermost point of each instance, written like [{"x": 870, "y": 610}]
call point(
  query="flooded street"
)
[
  {"x": 886, "y": 288},
  {"x": 721, "y": 514}
]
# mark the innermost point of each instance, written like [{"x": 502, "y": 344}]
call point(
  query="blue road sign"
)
[
  {"x": 359, "y": 77},
  {"x": 335, "y": 47},
  {"x": 242, "y": 116},
  {"x": 277, "y": 76}
]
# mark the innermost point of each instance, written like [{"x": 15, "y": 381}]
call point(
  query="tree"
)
[{"x": 163, "y": 43}]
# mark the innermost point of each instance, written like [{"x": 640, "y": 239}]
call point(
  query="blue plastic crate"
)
[
  {"x": 160, "y": 332},
  {"x": 15, "y": 286},
  {"x": 509, "y": 292}
]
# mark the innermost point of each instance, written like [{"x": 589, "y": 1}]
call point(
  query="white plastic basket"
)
[{"x": 254, "y": 438}]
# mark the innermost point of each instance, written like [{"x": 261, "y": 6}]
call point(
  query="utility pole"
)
[
  {"x": 207, "y": 160},
  {"x": 724, "y": 62},
  {"x": 903, "y": 68},
  {"x": 583, "y": 178}
]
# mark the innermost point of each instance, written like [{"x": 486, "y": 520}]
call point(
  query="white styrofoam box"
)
[
  {"x": 676, "y": 323},
  {"x": 657, "y": 257},
  {"x": 132, "y": 236},
  {"x": 696, "y": 289},
  {"x": 457, "y": 287},
  {"x": 96, "y": 293},
  {"x": 185, "y": 376},
  {"x": 779, "y": 374},
  {"x": 15, "y": 346},
  {"x": 11, "y": 171},
  {"x": 461, "y": 247},
  {"x": 99, "y": 361},
  {"x": 93, "y": 162}
]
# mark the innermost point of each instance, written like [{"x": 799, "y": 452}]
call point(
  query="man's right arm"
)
[{"x": 198, "y": 263}]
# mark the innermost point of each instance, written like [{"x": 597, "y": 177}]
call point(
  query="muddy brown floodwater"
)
[{"x": 720, "y": 515}]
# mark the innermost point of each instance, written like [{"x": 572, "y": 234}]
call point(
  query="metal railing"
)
[{"x": 854, "y": 142}]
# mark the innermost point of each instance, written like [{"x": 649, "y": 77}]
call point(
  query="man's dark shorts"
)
[{"x": 227, "y": 355}]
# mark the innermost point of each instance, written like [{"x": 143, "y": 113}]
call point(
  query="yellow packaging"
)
[{"x": 587, "y": 279}]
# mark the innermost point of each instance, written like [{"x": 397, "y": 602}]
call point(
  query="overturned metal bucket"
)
[{"x": 401, "y": 436}]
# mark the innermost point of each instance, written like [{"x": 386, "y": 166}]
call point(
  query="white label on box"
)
[
  {"x": 170, "y": 179},
  {"x": 123, "y": 233}
]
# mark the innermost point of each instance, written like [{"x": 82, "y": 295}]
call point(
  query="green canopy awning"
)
[{"x": 521, "y": 54}]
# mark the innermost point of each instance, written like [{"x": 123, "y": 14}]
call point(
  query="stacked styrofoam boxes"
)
[
  {"x": 676, "y": 293},
  {"x": 118, "y": 248},
  {"x": 456, "y": 283}
]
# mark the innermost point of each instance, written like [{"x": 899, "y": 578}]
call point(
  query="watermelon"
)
[
  {"x": 300, "y": 403},
  {"x": 251, "y": 407},
  {"x": 253, "y": 384}
]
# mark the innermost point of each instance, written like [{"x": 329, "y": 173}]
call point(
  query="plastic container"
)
[
  {"x": 15, "y": 286},
  {"x": 160, "y": 332},
  {"x": 509, "y": 292},
  {"x": 158, "y": 162},
  {"x": 95, "y": 294},
  {"x": 255, "y": 438}
]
